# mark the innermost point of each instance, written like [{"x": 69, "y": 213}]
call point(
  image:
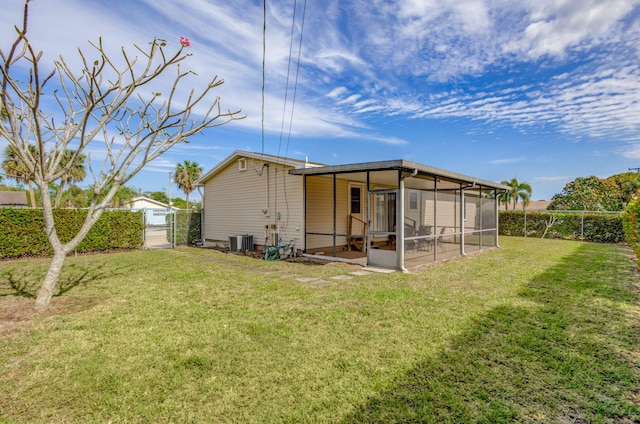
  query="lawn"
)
[{"x": 538, "y": 331}]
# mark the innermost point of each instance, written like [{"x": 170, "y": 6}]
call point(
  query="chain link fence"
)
[{"x": 597, "y": 226}]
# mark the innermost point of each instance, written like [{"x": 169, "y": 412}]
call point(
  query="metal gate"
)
[{"x": 156, "y": 231}]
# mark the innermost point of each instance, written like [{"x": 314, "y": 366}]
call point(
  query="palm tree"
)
[
  {"x": 504, "y": 198},
  {"x": 15, "y": 168},
  {"x": 74, "y": 174},
  {"x": 186, "y": 175},
  {"x": 517, "y": 191}
]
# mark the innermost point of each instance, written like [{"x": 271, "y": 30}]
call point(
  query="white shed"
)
[{"x": 155, "y": 212}]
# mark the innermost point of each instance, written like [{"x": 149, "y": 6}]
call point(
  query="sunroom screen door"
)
[{"x": 382, "y": 240}]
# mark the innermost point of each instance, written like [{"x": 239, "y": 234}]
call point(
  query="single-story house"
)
[
  {"x": 393, "y": 214},
  {"x": 154, "y": 211},
  {"x": 13, "y": 199}
]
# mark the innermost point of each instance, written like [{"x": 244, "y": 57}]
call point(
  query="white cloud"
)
[
  {"x": 551, "y": 179},
  {"x": 507, "y": 161},
  {"x": 555, "y": 26},
  {"x": 379, "y": 58},
  {"x": 631, "y": 151}
]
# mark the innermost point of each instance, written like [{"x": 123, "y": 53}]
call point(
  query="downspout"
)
[
  {"x": 400, "y": 219},
  {"x": 335, "y": 210},
  {"x": 304, "y": 212}
]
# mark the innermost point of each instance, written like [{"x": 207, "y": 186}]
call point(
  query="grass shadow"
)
[
  {"x": 26, "y": 282},
  {"x": 565, "y": 353}
]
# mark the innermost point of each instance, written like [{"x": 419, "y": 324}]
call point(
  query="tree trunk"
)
[
  {"x": 187, "y": 195},
  {"x": 50, "y": 281},
  {"x": 32, "y": 194},
  {"x": 59, "y": 194}
]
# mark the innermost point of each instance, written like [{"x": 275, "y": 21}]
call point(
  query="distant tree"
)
[
  {"x": 504, "y": 198},
  {"x": 158, "y": 196},
  {"x": 588, "y": 194},
  {"x": 74, "y": 197},
  {"x": 186, "y": 174},
  {"x": 628, "y": 183},
  {"x": 71, "y": 172},
  {"x": 109, "y": 102},
  {"x": 517, "y": 191},
  {"x": 15, "y": 167},
  {"x": 122, "y": 196},
  {"x": 178, "y": 203}
]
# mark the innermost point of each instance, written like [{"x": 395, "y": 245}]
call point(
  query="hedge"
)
[
  {"x": 601, "y": 228},
  {"x": 187, "y": 227},
  {"x": 23, "y": 231},
  {"x": 631, "y": 225}
]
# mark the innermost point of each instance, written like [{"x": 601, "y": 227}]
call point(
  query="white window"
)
[
  {"x": 242, "y": 164},
  {"x": 413, "y": 200}
]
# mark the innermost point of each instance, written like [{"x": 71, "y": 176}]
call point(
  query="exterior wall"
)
[
  {"x": 234, "y": 200},
  {"x": 320, "y": 210},
  {"x": 144, "y": 204},
  {"x": 415, "y": 217}
]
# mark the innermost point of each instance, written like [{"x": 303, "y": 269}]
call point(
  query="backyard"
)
[{"x": 538, "y": 331}]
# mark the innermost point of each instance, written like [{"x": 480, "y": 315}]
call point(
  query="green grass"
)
[{"x": 539, "y": 331}]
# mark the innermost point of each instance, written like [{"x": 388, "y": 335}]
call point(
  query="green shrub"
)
[
  {"x": 187, "y": 227},
  {"x": 601, "y": 228},
  {"x": 631, "y": 225},
  {"x": 23, "y": 231}
]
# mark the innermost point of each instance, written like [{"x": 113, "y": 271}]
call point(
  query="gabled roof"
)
[
  {"x": 148, "y": 200},
  {"x": 13, "y": 198},
  {"x": 238, "y": 154}
]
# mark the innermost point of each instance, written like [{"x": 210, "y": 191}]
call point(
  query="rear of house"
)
[
  {"x": 392, "y": 214},
  {"x": 397, "y": 214},
  {"x": 253, "y": 194}
]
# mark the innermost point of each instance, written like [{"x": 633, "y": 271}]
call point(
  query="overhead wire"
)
[
  {"x": 284, "y": 109},
  {"x": 264, "y": 54},
  {"x": 295, "y": 84}
]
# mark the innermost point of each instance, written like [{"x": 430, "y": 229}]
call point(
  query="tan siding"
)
[
  {"x": 320, "y": 210},
  {"x": 448, "y": 211},
  {"x": 234, "y": 201},
  {"x": 412, "y": 217}
]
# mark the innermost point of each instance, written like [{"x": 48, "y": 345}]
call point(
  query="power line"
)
[
  {"x": 295, "y": 84},
  {"x": 286, "y": 90},
  {"x": 264, "y": 54}
]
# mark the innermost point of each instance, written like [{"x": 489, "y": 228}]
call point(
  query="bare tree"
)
[{"x": 105, "y": 105}]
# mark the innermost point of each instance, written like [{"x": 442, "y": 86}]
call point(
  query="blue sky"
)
[{"x": 544, "y": 91}]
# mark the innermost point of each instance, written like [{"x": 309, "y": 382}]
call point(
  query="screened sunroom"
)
[{"x": 396, "y": 214}]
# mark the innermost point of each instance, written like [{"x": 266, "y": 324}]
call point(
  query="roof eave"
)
[
  {"x": 399, "y": 164},
  {"x": 294, "y": 163}
]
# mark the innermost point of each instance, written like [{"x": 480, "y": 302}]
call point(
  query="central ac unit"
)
[{"x": 241, "y": 243}]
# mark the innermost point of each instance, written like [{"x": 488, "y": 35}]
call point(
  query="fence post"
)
[
  {"x": 582, "y": 227},
  {"x": 144, "y": 228},
  {"x": 525, "y": 222}
]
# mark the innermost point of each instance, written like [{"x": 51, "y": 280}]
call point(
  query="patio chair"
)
[
  {"x": 440, "y": 239},
  {"x": 410, "y": 244},
  {"x": 425, "y": 243}
]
